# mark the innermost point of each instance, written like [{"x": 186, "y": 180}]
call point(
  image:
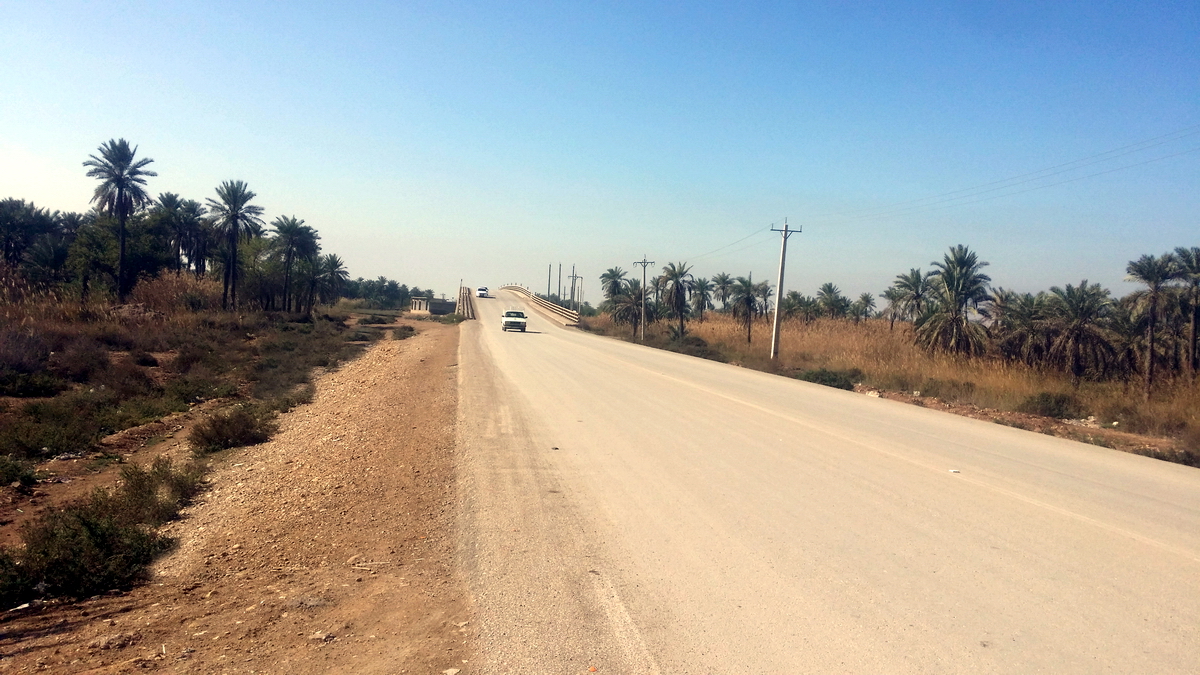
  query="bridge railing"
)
[
  {"x": 570, "y": 316},
  {"x": 466, "y": 303}
]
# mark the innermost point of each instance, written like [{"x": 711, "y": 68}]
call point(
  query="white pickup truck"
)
[{"x": 513, "y": 319}]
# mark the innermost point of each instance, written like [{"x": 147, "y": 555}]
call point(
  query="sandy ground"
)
[{"x": 328, "y": 549}]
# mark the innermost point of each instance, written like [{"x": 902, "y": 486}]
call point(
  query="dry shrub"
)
[
  {"x": 170, "y": 293},
  {"x": 232, "y": 428},
  {"x": 101, "y": 543}
]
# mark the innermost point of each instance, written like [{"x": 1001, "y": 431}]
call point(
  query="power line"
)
[
  {"x": 934, "y": 206},
  {"x": 1012, "y": 181},
  {"x": 721, "y": 248}
]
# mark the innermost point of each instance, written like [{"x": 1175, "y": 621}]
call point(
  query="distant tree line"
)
[
  {"x": 953, "y": 308},
  {"x": 129, "y": 236}
]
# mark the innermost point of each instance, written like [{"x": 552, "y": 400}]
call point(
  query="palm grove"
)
[
  {"x": 129, "y": 236},
  {"x": 953, "y": 308}
]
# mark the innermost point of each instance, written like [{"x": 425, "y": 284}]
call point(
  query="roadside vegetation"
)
[
  {"x": 1074, "y": 352},
  {"x": 141, "y": 308}
]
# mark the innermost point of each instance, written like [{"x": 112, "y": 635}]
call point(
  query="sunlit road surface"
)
[{"x": 638, "y": 511}]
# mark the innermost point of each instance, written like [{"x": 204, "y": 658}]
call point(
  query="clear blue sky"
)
[{"x": 432, "y": 141}]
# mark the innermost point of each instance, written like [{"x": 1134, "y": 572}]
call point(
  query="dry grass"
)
[{"x": 889, "y": 360}]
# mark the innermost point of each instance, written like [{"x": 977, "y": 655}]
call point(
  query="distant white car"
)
[
  {"x": 482, "y": 292},
  {"x": 513, "y": 319}
]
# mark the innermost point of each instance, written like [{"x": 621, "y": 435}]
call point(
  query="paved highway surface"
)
[{"x": 639, "y": 511}]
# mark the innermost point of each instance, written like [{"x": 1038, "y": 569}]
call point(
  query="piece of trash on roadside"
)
[{"x": 955, "y": 471}]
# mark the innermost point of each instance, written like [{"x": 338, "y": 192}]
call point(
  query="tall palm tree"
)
[
  {"x": 723, "y": 288},
  {"x": 169, "y": 208},
  {"x": 960, "y": 286},
  {"x": 195, "y": 234},
  {"x": 1080, "y": 342},
  {"x": 677, "y": 288},
  {"x": 612, "y": 281},
  {"x": 1156, "y": 274},
  {"x": 233, "y": 214},
  {"x": 914, "y": 292},
  {"x": 294, "y": 240},
  {"x": 895, "y": 300},
  {"x": 120, "y": 192},
  {"x": 1188, "y": 260},
  {"x": 702, "y": 292},
  {"x": 333, "y": 276},
  {"x": 744, "y": 296}
]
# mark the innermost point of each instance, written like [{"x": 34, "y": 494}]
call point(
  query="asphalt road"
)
[{"x": 638, "y": 511}]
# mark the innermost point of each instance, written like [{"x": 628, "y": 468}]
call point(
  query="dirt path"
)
[{"x": 328, "y": 549}]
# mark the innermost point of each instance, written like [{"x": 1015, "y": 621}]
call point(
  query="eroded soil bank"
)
[{"x": 328, "y": 549}]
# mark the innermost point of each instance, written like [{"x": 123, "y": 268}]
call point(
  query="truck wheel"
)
[{"x": 522, "y": 329}]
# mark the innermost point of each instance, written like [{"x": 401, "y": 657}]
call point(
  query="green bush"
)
[
  {"x": 694, "y": 345},
  {"x": 104, "y": 542},
  {"x": 232, "y": 428},
  {"x": 403, "y": 332},
  {"x": 838, "y": 379},
  {"x": 29, "y": 385},
  {"x": 375, "y": 319},
  {"x": 13, "y": 470},
  {"x": 1046, "y": 404}
]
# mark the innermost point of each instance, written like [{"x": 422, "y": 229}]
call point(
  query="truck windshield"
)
[{"x": 519, "y": 315}]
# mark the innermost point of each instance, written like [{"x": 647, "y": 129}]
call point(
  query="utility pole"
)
[
  {"x": 784, "y": 233},
  {"x": 574, "y": 277},
  {"x": 644, "y": 263},
  {"x": 549, "y": 269},
  {"x": 559, "y": 282}
]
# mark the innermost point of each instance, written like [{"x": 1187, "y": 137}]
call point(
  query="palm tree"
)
[
  {"x": 169, "y": 208},
  {"x": 120, "y": 192},
  {"x": 333, "y": 276},
  {"x": 895, "y": 300},
  {"x": 677, "y": 283},
  {"x": 1188, "y": 260},
  {"x": 960, "y": 286},
  {"x": 1020, "y": 325},
  {"x": 863, "y": 307},
  {"x": 702, "y": 292},
  {"x": 294, "y": 240},
  {"x": 612, "y": 281},
  {"x": 627, "y": 305},
  {"x": 723, "y": 288},
  {"x": 233, "y": 214},
  {"x": 914, "y": 291},
  {"x": 833, "y": 303},
  {"x": 1155, "y": 273},
  {"x": 765, "y": 290},
  {"x": 1080, "y": 343},
  {"x": 744, "y": 295},
  {"x": 798, "y": 304}
]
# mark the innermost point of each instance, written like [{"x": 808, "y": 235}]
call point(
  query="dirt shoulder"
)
[{"x": 328, "y": 549}]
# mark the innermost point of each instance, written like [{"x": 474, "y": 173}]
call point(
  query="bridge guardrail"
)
[
  {"x": 466, "y": 303},
  {"x": 569, "y": 315}
]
